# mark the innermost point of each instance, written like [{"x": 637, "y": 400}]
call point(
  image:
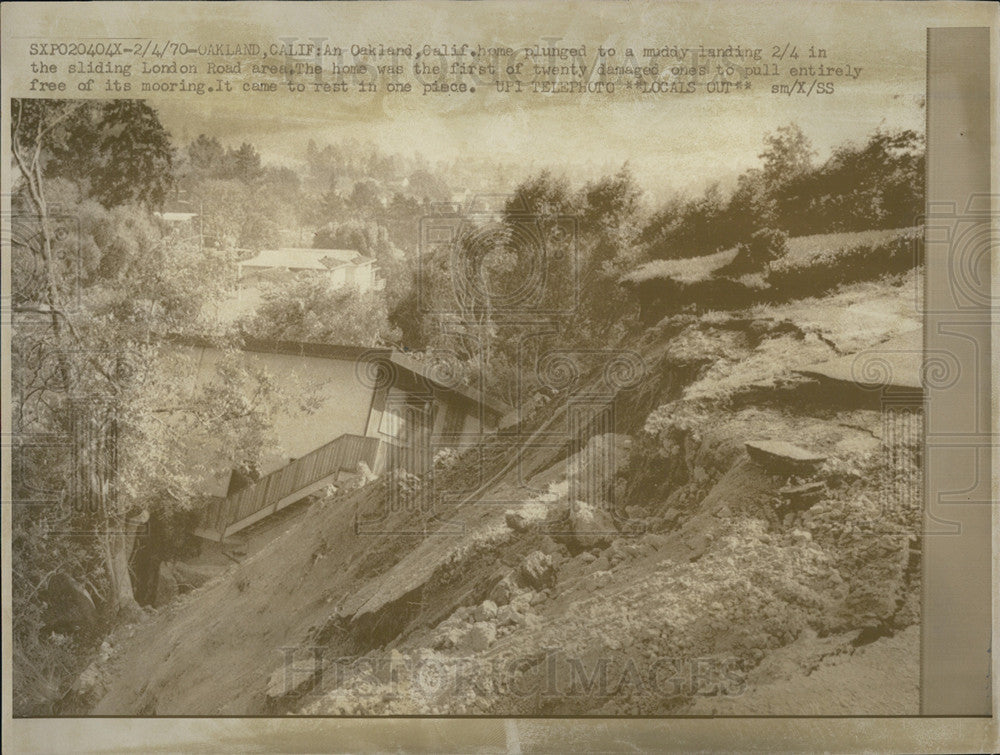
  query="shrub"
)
[
  {"x": 765, "y": 246},
  {"x": 310, "y": 308}
]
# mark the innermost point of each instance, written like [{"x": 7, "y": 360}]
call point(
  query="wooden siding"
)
[{"x": 287, "y": 484}]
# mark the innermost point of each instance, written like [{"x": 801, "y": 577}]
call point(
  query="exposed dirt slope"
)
[{"x": 715, "y": 589}]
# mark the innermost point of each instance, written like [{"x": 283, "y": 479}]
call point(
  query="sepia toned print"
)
[{"x": 490, "y": 373}]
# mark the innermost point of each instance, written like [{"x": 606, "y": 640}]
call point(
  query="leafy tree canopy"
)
[{"x": 116, "y": 151}]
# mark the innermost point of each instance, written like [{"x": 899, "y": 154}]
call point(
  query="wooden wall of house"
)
[
  {"x": 344, "y": 401},
  {"x": 346, "y": 405}
]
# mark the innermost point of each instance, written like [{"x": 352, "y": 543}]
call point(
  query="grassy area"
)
[
  {"x": 685, "y": 270},
  {"x": 803, "y": 251},
  {"x": 807, "y": 247}
]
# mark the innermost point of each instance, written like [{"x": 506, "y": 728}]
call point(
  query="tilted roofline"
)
[
  {"x": 303, "y": 258},
  {"x": 354, "y": 353}
]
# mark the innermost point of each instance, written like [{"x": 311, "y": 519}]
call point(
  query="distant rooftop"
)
[
  {"x": 300, "y": 258},
  {"x": 177, "y": 217},
  {"x": 178, "y": 209}
]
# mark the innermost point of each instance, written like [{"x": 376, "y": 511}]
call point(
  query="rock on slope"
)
[{"x": 705, "y": 581}]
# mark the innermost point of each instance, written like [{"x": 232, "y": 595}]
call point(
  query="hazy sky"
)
[{"x": 670, "y": 141}]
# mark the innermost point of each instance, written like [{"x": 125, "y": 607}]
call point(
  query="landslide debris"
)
[{"x": 696, "y": 577}]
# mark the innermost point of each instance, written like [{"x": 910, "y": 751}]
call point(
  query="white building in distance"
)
[{"x": 342, "y": 267}]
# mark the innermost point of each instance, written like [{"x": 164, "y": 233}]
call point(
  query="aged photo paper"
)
[{"x": 498, "y": 376}]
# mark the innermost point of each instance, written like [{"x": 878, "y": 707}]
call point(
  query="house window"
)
[
  {"x": 406, "y": 423},
  {"x": 392, "y": 422}
]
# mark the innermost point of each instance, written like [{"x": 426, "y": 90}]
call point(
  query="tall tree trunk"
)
[
  {"x": 119, "y": 530},
  {"x": 119, "y": 547},
  {"x": 31, "y": 170},
  {"x": 144, "y": 562},
  {"x": 118, "y": 540}
]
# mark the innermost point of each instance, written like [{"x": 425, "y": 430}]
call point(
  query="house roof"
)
[
  {"x": 345, "y": 352},
  {"x": 299, "y": 258},
  {"x": 177, "y": 217}
]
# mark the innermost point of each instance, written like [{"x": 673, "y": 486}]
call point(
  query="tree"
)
[
  {"x": 88, "y": 341},
  {"x": 771, "y": 196},
  {"x": 244, "y": 164},
  {"x": 787, "y": 154},
  {"x": 206, "y": 157},
  {"x": 753, "y": 204},
  {"x": 611, "y": 205},
  {"x": 116, "y": 151},
  {"x": 879, "y": 184},
  {"x": 242, "y": 203},
  {"x": 365, "y": 199},
  {"x": 363, "y": 236},
  {"x": 236, "y": 215},
  {"x": 425, "y": 185},
  {"x": 310, "y": 308},
  {"x": 403, "y": 303},
  {"x": 331, "y": 205},
  {"x": 611, "y": 217},
  {"x": 129, "y": 421},
  {"x": 498, "y": 266},
  {"x": 689, "y": 227},
  {"x": 403, "y": 215}
]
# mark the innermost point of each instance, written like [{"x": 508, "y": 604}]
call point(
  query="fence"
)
[{"x": 284, "y": 486}]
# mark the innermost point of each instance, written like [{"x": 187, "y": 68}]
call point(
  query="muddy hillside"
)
[{"x": 740, "y": 539}]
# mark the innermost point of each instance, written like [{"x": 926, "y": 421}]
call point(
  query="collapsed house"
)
[{"x": 376, "y": 407}]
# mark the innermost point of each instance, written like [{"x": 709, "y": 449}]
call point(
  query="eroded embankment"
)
[
  {"x": 692, "y": 577},
  {"x": 725, "y": 574}
]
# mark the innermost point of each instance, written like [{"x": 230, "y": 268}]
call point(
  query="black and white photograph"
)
[{"x": 493, "y": 360}]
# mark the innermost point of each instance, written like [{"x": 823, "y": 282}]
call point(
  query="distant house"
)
[
  {"x": 179, "y": 215},
  {"x": 177, "y": 218},
  {"x": 342, "y": 267}
]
